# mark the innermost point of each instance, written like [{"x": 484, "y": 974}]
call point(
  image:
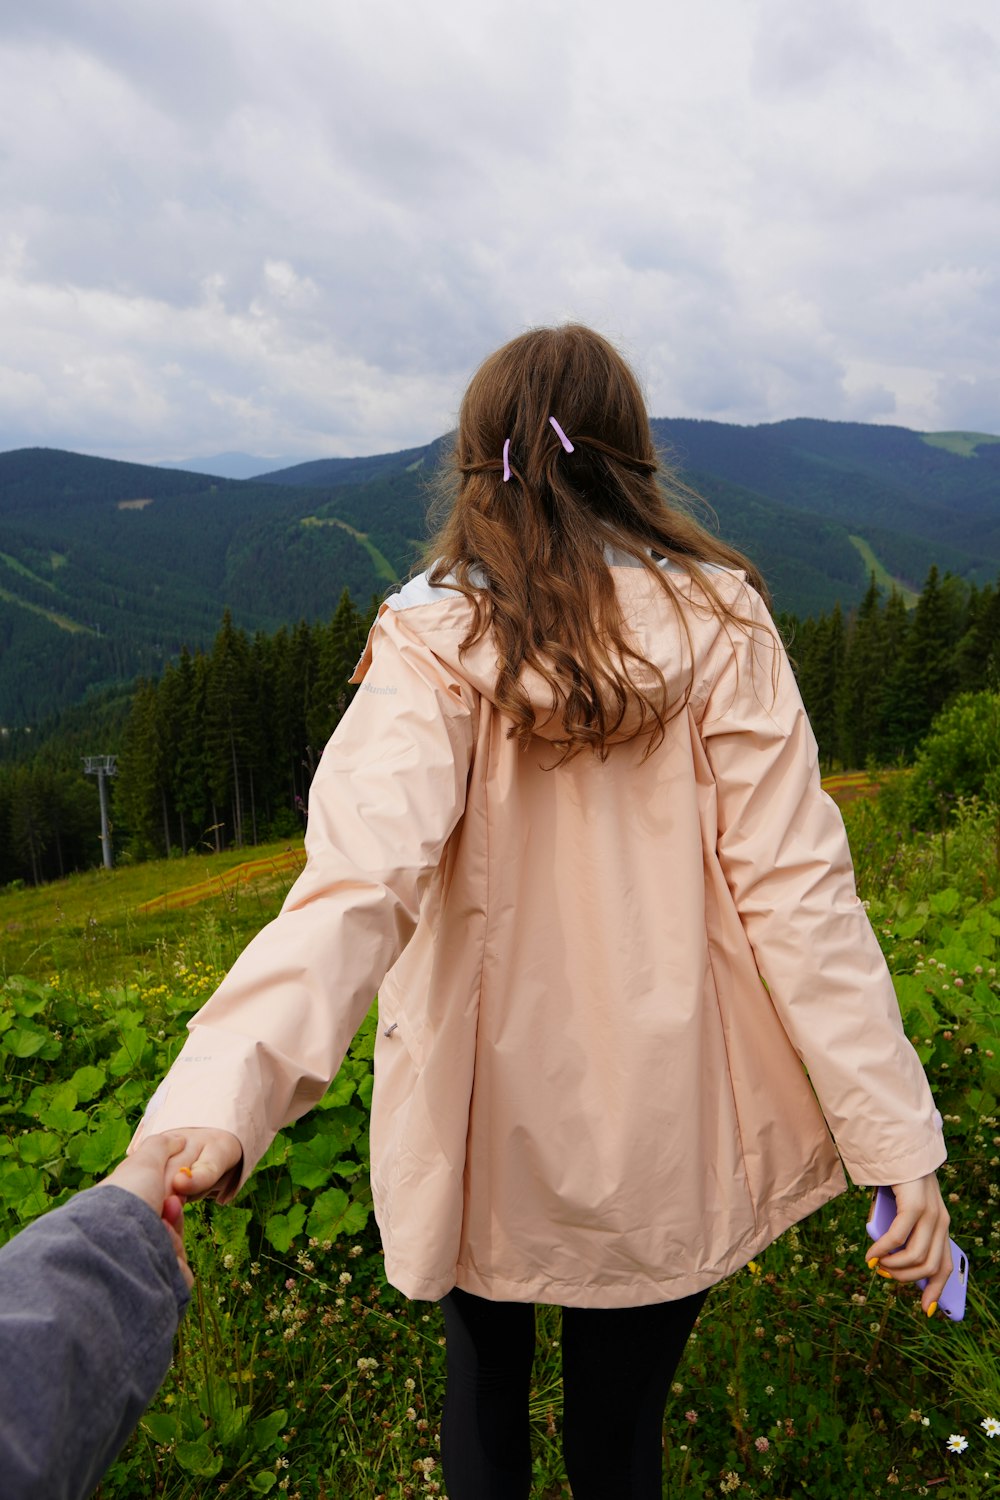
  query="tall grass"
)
[{"x": 300, "y": 1372}]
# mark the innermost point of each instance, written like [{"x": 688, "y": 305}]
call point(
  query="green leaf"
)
[
  {"x": 911, "y": 928},
  {"x": 347, "y": 1168},
  {"x": 27, "y": 998},
  {"x": 341, "y": 1091},
  {"x": 129, "y": 1054},
  {"x": 335, "y": 1214},
  {"x": 16, "y": 1182},
  {"x": 105, "y": 1146},
  {"x": 132, "y": 1092},
  {"x": 276, "y": 1154},
  {"x": 87, "y": 1082},
  {"x": 37, "y": 1146},
  {"x": 60, "y": 1112},
  {"x": 312, "y": 1160},
  {"x": 347, "y": 1125},
  {"x": 229, "y": 1419},
  {"x": 28, "y": 1041},
  {"x": 943, "y": 903},
  {"x": 162, "y": 1427},
  {"x": 265, "y": 1432},
  {"x": 264, "y": 1482},
  {"x": 198, "y": 1458},
  {"x": 281, "y": 1229}
]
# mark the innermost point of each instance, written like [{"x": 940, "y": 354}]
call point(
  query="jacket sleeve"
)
[
  {"x": 90, "y": 1298},
  {"x": 387, "y": 794},
  {"x": 784, "y": 853}
]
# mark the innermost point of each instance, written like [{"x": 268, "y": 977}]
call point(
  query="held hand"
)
[
  {"x": 173, "y": 1220},
  {"x": 208, "y": 1159},
  {"x": 921, "y": 1223},
  {"x": 148, "y": 1173}
]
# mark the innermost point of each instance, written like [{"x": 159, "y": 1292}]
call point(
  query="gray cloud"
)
[{"x": 292, "y": 227}]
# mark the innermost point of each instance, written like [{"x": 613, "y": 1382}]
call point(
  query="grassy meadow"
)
[{"x": 299, "y": 1372}]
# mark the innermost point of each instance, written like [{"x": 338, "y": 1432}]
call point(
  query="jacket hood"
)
[{"x": 658, "y": 633}]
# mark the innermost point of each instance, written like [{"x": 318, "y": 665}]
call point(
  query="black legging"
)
[{"x": 617, "y": 1367}]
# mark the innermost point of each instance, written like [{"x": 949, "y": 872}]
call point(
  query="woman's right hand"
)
[
  {"x": 207, "y": 1160},
  {"x": 921, "y": 1223}
]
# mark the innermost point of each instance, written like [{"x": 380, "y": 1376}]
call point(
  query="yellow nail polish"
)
[
  {"x": 873, "y": 1263},
  {"x": 880, "y": 1272},
  {"x": 932, "y": 1310},
  {"x": 186, "y": 1170}
]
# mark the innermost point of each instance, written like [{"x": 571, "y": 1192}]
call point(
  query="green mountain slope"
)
[
  {"x": 914, "y": 503},
  {"x": 107, "y": 568}
]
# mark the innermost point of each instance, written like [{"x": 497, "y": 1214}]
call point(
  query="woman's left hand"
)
[{"x": 916, "y": 1245}]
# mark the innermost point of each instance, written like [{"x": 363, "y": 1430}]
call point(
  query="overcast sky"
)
[{"x": 294, "y": 227}]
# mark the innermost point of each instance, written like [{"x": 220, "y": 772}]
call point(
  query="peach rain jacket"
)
[{"x": 584, "y": 1093}]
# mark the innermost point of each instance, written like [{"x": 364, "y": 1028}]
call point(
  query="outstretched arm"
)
[
  {"x": 388, "y": 792},
  {"x": 90, "y": 1298}
]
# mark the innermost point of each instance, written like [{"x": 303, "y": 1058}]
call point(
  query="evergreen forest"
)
[{"x": 219, "y": 750}]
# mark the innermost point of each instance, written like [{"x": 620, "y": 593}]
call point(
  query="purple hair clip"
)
[
  {"x": 506, "y": 448},
  {"x": 561, "y": 435}
]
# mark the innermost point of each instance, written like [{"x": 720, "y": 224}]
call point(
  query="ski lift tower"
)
[{"x": 102, "y": 766}]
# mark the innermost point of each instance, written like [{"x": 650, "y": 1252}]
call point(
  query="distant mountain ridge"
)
[
  {"x": 230, "y": 465},
  {"x": 108, "y": 568}
]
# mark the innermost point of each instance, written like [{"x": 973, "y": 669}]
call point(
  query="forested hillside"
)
[
  {"x": 221, "y": 749},
  {"x": 800, "y": 497},
  {"x": 108, "y": 569}
]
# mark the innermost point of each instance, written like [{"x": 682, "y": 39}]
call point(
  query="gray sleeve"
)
[{"x": 90, "y": 1299}]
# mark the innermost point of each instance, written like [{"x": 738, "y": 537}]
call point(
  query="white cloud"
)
[{"x": 298, "y": 227}]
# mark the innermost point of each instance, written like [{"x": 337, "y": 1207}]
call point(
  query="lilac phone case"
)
[{"x": 952, "y": 1299}]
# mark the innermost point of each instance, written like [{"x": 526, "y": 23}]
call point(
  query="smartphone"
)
[{"x": 952, "y": 1298}]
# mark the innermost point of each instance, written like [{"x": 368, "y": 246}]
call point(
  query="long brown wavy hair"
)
[{"x": 529, "y": 553}]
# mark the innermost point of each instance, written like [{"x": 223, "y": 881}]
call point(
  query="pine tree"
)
[
  {"x": 227, "y": 724},
  {"x": 860, "y": 688},
  {"x": 190, "y": 777},
  {"x": 339, "y": 647},
  {"x": 821, "y": 665},
  {"x": 141, "y": 772},
  {"x": 977, "y": 655},
  {"x": 923, "y": 678},
  {"x": 29, "y": 826}
]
